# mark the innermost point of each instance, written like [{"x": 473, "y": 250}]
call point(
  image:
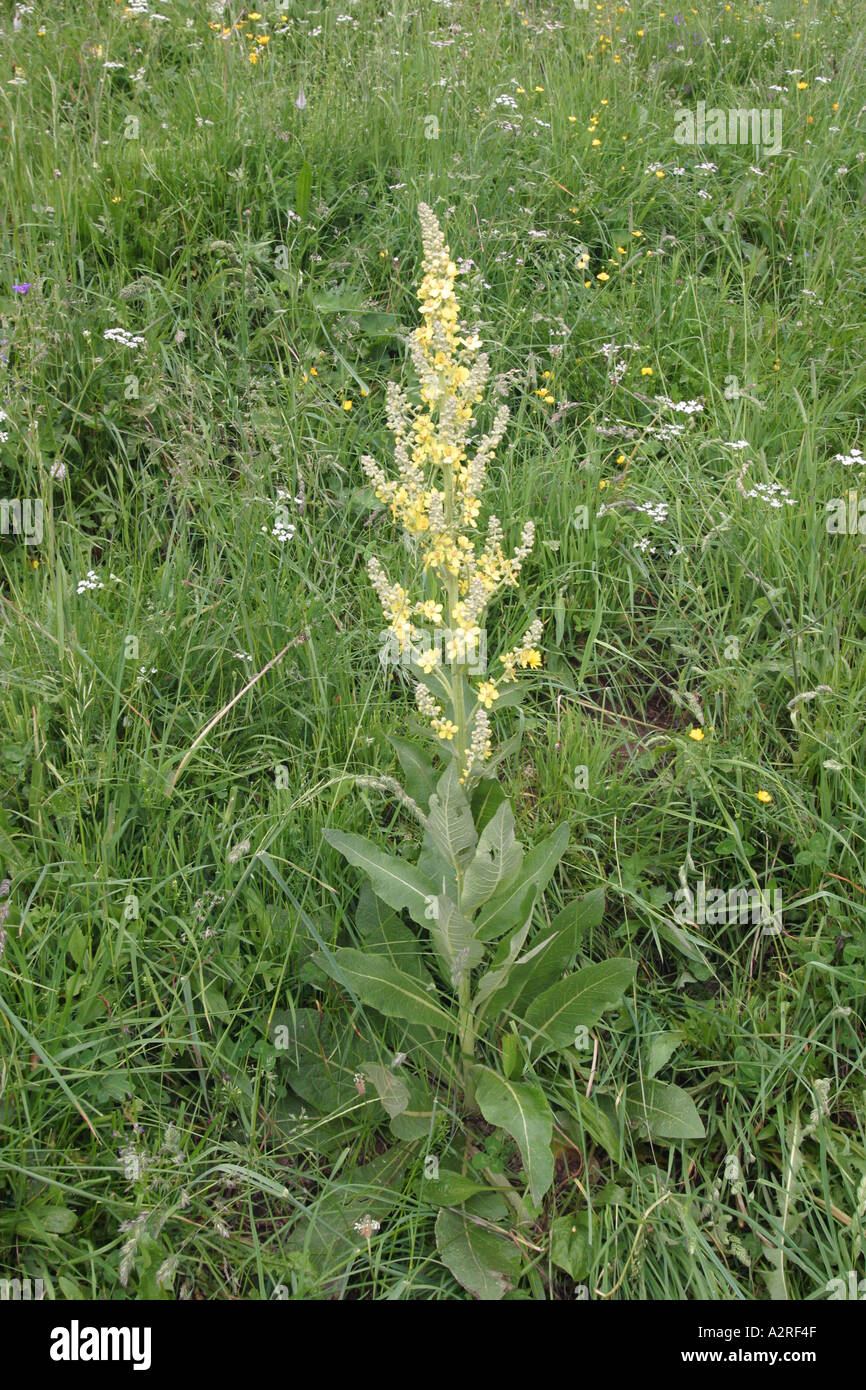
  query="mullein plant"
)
[{"x": 498, "y": 998}]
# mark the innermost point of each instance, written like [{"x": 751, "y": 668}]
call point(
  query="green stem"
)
[
  {"x": 514, "y": 1199},
  {"x": 466, "y": 1032}
]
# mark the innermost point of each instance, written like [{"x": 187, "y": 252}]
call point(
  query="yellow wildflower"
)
[{"x": 445, "y": 729}]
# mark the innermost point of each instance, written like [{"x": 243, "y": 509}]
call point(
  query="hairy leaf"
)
[
  {"x": 397, "y": 883},
  {"x": 498, "y": 858},
  {"x": 505, "y": 908},
  {"x": 449, "y": 821},
  {"x": 377, "y": 982},
  {"x": 520, "y": 1108},
  {"x": 577, "y": 1001},
  {"x": 482, "y": 1261}
]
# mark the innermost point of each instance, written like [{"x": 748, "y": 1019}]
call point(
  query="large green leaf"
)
[
  {"x": 485, "y": 800},
  {"x": 391, "y": 1089},
  {"x": 505, "y": 908},
  {"x": 449, "y": 820},
  {"x": 569, "y": 1244},
  {"x": 577, "y": 1001},
  {"x": 327, "y": 1225},
  {"x": 485, "y": 1263},
  {"x": 544, "y": 960},
  {"x": 397, "y": 883},
  {"x": 662, "y": 1047},
  {"x": 668, "y": 1112},
  {"x": 386, "y": 934},
  {"x": 409, "y": 1105},
  {"x": 318, "y": 1058},
  {"x": 397, "y": 941},
  {"x": 497, "y": 860},
  {"x": 449, "y": 1188},
  {"x": 417, "y": 770},
  {"x": 433, "y": 867},
  {"x": 415, "y": 1122},
  {"x": 370, "y": 912},
  {"x": 578, "y": 916},
  {"x": 597, "y": 1123},
  {"x": 520, "y": 1108},
  {"x": 377, "y": 982},
  {"x": 452, "y": 937},
  {"x": 506, "y": 955}
]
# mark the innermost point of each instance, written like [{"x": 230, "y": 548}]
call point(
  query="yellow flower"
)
[
  {"x": 253, "y": 14},
  {"x": 254, "y": 57},
  {"x": 697, "y": 735},
  {"x": 436, "y": 495},
  {"x": 263, "y": 38},
  {"x": 801, "y": 86},
  {"x": 429, "y": 610},
  {"x": 347, "y": 405},
  {"x": 445, "y": 729},
  {"x": 764, "y": 797},
  {"x": 602, "y": 275},
  {"x": 646, "y": 371}
]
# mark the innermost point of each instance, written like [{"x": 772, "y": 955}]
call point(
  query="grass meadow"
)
[{"x": 209, "y": 252}]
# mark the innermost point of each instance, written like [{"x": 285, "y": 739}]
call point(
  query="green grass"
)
[{"x": 161, "y": 918}]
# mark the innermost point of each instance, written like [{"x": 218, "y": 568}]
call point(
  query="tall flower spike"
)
[{"x": 437, "y": 498}]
